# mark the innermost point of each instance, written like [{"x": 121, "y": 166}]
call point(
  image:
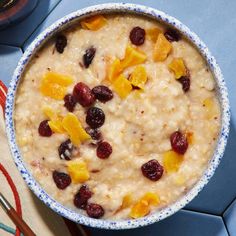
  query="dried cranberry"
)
[
  {"x": 61, "y": 42},
  {"x": 95, "y": 117},
  {"x": 62, "y": 180},
  {"x": 137, "y": 36},
  {"x": 83, "y": 95},
  {"x": 104, "y": 150},
  {"x": 94, "y": 210},
  {"x": 179, "y": 142},
  {"x": 88, "y": 56},
  {"x": 152, "y": 170},
  {"x": 82, "y": 197},
  {"x": 185, "y": 81},
  {"x": 70, "y": 102},
  {"x": 94, "y": 133},
  {"x": 65, "y": 150},
  {"x": 44, "y": 129},
  {"x": 102, "y": 93},
  {"x": 172, "y": 35}
]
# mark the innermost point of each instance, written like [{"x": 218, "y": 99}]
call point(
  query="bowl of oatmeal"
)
[{"x": 117, "y": 116}]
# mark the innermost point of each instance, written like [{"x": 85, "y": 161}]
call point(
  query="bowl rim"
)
[{"x": 213, "y": 163}]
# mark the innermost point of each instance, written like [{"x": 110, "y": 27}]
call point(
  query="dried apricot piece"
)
[
  {"x": 138, "y": 77},
  {"x": 114, "y": 70},
  {"x": 162, "y": 48},
  {"x": 49, "y": 113},
  {"x": 74, "y": 129},
  {"x": 78, "y": 171},
  {"x": 56, "y": 78},
  {"x": 122, "y": 86},
  {"x": 152, "y": 198},
  {"x": 127, "y": 201},
  {"x": 178, "y": 67},
  {"x": 153, "y": 33},
  {"x": 132, "y": 57},
  {"x": 140, "y": 209},
  {"x": 94, "y": 23},
  {"x": 190, "y": 137},
  {"x": 172, "y": 161},
  {"x": 210, "y": 107},
  {"x": 56, "y": 126}
]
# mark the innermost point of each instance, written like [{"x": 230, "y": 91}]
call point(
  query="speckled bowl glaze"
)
[{"x": 222, "y": 94}]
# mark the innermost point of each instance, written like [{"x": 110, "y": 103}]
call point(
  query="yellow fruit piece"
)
[
  {"x": 152, "y": 199},
  {"x": 127, "y": 201},
  {"x": 210, "y": 107},
  {"x": 140, "y": 209},
  {"x": 56, "y": 126},
  {"x": 122, "y": 86},
  {"x": 94, "y": 23},
  {"x": 78, "y": 171},
  {"x": 162, "y": 48},
  {"x": 179, "y": 180},
  {"x": 56, "y": 78},
  {"x": 132, "y": 57},
  {"x": 53, "y": 90},
  {"x": 190, "y": 137},
  {"x": 49, "y": 113},
  {"x": 74, "y": 129},
  {"x": 114, "y": 70},
  {"x": 178, "y": 67},
  {"x": 153, "y": 33},
  {"x": 172, "y": 161},
  {"x": 139, "y": 77}
]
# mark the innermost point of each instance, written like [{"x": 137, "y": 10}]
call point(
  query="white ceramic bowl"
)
[{"x": 222, "y": 95}]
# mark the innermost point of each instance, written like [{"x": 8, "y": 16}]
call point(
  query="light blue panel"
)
[
  {"x": 215, "y": 22},
  {"x": 17, "y": 34},
  {"x": 184, "y": 223},
  {"x": 230, "y": 219},
  {"x": 9, "y": 57}
]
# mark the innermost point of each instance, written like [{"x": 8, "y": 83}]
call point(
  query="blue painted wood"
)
[
  {"x": 9, "y": 57},
  {"x": 17, "y": 34},
  {"x": 230, "y": 218},
  {"x": 204, "y": 18},
  {"x": 184, "y": 223}
]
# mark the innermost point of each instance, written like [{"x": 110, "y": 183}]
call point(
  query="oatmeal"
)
[{"x": 117, "y": 117}]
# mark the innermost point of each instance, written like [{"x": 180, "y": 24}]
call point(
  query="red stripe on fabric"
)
[
  {"x": 2, "y": 95},
  {"x": 74, "y": 230},
  {"x": 15, "y": 193},
  {"x": 3, "y": 86}
]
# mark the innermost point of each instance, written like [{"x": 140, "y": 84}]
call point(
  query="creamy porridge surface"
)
[{"x": 138, "y": 126}]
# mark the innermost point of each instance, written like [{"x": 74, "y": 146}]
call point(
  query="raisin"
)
[
  {"x": 102, "y": 93},
  {"x": 94, "y": 210},
  {"x": 104, "y": 150},
  {"x": 44, "y": 129},
  {"x": 95, "y": 117},
  {"x": 137, "y": 36},
  {"x": 88, "y": 56},
  {"x": 82, "y": 197},
  {"x": 94, "y": 133},
  {"x": 65, "y": 150},
  {"x": 179, "y": 142},
  {"x": 70, "y": 102},
  {"x": 61, "y": 42},
  {"x": 83, "y": 95},
  {"x": 62, "y": 180},
  {"x": 172, "y": 35},
  {"x": 152, "y": 170},
  {"x": 185, "y": 81}
]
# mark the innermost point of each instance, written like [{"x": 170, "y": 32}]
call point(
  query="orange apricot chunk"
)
[
  {"x": 210, "y": 108},
  {"x": 94, "y": 23},
  {"x": 178, "y": 67},
  {"x": 114, "y": 70},
  {"x": 152, "y": 33},
  {"x": 138, "y": 77},
  {"x": 127, "y": 201},
  {"x": 172, "y": 161},
  {"x": 122, "y": 86},
  {"x": 140, "y": 209},
  {"x": 152, "y": 198}
]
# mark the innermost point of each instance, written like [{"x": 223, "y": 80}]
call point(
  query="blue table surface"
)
[{"x": 215, "y": 23}]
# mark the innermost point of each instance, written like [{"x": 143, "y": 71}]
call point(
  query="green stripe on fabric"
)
[{"x": 7, "y": 229}]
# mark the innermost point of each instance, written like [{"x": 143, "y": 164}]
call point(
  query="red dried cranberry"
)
[
  {"x": 82, "y": 197},
  {"x": 102, "y": 93},
  {"x": 83, "y": 95},
  {"x": 61, "y": 42},
  {"x": 137, "y": 36},
  {"x": 152, "y": 170},
  {"x": 179, "y": 142},
  {"x": 94, "y": 133},
  {"x": 172, "y": 35},
  {"x": 95, "y": 117},
  {"x": 94, "y": 210},
  {"x": 44, "y": 129},
  {"x": 185, "y": 81},
  {"x": 70, "y": 102},
  {"x": 65, "y": 150},
  {"x": 88, "y": 56},
  {"x": 104, "y": 150},
  {"x": 62, "y": 180}
]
